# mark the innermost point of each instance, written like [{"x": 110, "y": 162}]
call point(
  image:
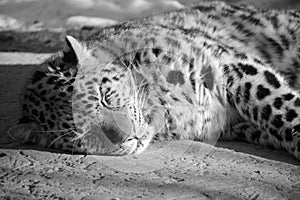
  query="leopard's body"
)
[{"x": 193, "y": 73}]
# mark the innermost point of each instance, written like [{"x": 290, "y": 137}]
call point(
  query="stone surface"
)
[{"x": 219, "y": 174}]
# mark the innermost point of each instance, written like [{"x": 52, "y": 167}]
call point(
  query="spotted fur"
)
[{"x": 193, "y": 73}]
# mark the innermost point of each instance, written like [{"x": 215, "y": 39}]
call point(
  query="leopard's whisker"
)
[
  {"x": 143, "y": 98},
  {"x": 59, "y": 138}
]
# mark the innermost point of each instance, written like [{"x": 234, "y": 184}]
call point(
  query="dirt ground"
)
[
  {"x": 172, "y": 174},
  {"x": 167, "y": 170}
]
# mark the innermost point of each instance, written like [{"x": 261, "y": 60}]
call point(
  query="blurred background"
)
[
  {"x": 58, "y": 13},
  {"x": 40, "y": 26}
]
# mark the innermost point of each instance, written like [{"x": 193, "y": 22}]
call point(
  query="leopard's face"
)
[{"x": 106, "y": 100}]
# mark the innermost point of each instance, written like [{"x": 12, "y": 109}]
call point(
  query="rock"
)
[
  {"x": 9, "y": 23},
  {"x": 81, "y": 21},
  {"x": 172, "y": 4}
]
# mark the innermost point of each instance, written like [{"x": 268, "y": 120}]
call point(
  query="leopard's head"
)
[{"x": 107, "y": 105}]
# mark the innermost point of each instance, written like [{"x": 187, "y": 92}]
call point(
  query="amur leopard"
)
[{"x": 197, "y": 73}]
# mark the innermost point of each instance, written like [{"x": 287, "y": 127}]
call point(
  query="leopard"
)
[{"x": 212, "y": 70}]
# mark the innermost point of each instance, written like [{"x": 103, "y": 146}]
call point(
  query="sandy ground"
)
[
  {"x": 221, "y": 174},
  {"x": 32, "y": 29}
]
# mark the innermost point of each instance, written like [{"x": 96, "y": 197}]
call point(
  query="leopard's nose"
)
[{"x": 116, "y": 126}]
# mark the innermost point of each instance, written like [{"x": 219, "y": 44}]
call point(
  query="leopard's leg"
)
[
  {"x": 247, "y": 131},
  {"x": 31, "y": 133},
  {"x": 262, "y": 96}
]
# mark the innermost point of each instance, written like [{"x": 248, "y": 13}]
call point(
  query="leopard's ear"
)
[{"x": 73, "y": 51}]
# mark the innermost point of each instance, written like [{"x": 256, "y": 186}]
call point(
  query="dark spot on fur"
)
[
  {"x": 291, "y": 115},
  {"x": 166, "y": 59},
  {"x": 191, "y": 64},
  {"x": 89, "y": 83},
  {"x": 115, "y": 78},
  {"x": 244, "y": 127},
  {"x": 266, "y": 112},
  {"x": 237, "y": 71},
  {"x": 297, "y": 102},
  {"x": 52, "y": 98},
  {"x": 204, "y": 8},
  {"x": 174, "y": 98},
  {"x": 288, "y": 135},
  {"x": 92, "y": 98},
  {"x": 25, "y": 107},
  {"x": 246, "y": 112},
  {"x": 162, "y": 101},
  {"x": 66, "y": 125},
  {"x": 230, "y": 81},
  {"x": 70, "y": 88},
  {"x": 258, "y": 61},
  {"x": 175, "y": 77},
  {"x": 67, "y": 74},
  {"x": 253, "y": 20},
  {"x": 285, "y": 42},
  {"x": 226, "y": 69},
  {"x": 278, "y": 103},
  {"x": 288, "y": 96},
  {"x": 278, "y": 48},
  {"x": 229, "y": 99},
  {"x": 137, "y": 60},
  {"x": 37, "y": 103},
  {"x": 156, "y": 51},
  {"x": 296, "y": 64},
  {"x": 51, "y": 80},
  {"x": 47, "y": 106},
  {"x": 34, "y": 112},
  {"x": 81, "y": 95},
  {"x": 238, "y": 93},
  {"x": 248, "y": 86},
  {"x": 271, "y": 79},
  {"x": 126, "y": 62},
  {"x": 262, "y": 92},
  {"x": 248, "y": 69},
  {"x": 104, "y": 80},
  {"x": 275, "y": 134},
  {"x": 72, "y": 80},
  {"x": 53, "y": 117},
  {"x": 62, "y": 94},
  {"x": 265, "y": 54},
  {"x": 240, "y": 135},
  {"x": 241, "y": 56},
  {"x": 274, "y": 21},
  {"x": 193, "y": 81},
  {"x": 297, "y": 128},
  {"x": 277, "y": 121},
  {"x": 89, "y": 106},
  {"x": 208, "y": 77},
  {"x": 255, "y": 113},
  {"x": 43, "y": 92},
  {"x": 255, "y": 135},
  {"x": 42, "y": 118},
  {"x": 240, "y": 27}
]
